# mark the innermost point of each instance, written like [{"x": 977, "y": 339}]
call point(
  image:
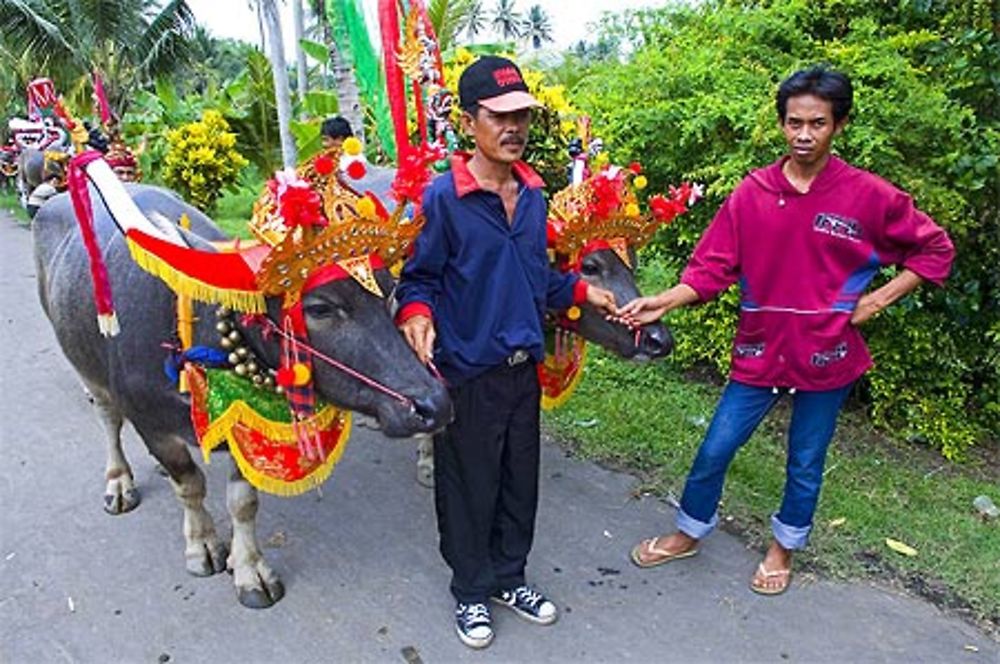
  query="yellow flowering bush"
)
[
  {"x": 552, "y": 126},
  {"x": 202, "y": 160}
]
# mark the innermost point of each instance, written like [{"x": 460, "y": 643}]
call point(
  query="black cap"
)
[{"x": 494, "y": 83}]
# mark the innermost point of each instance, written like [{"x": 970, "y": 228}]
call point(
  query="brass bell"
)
[
  {"x": 234, "y": 358},
  {"x": 240, "y": 369},
  {"x": 235, "y": 336},
  {"x": 243, "y": 352}
]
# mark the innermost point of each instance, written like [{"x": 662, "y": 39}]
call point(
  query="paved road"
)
[{"x": 364, "y": 580}]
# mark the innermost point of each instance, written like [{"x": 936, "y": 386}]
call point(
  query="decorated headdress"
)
[{"x": 603, "y": 212}]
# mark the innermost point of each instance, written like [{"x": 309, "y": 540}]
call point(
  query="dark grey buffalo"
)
[{"x": 125, "y": 376}]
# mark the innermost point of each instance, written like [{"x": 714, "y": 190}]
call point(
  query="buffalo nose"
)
[
  {"x": 434, "y": 412},
  {"x": 656, "y": 341}
]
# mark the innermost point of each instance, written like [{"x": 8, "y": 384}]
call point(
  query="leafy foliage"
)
[
  {"x": 695, "y": 101},
  {"x": 202, "y": 160},
  {"x": 130, "y": 42}
]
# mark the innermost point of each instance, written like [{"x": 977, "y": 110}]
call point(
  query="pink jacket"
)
[{"x": 802, "y": 261}]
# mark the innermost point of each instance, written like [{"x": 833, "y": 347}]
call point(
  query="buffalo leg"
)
[
  {"x": 257, "y": 585},
  {"x": 204, "y": 552},
  {"x": 120, "y": 493}
]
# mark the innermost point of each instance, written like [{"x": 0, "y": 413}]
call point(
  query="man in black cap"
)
[{"x": 473, "y": 297}]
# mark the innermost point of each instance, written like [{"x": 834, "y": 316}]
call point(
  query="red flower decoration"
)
[
  {"x": 323, "y": 164},
  {"x": 356, "y": 170},
  {"x": 635, "y": 167},
  {"x": 607, "y": 195},
  {"x": 301, "y": 206}
]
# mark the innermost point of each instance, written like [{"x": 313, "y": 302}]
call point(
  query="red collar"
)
[{"x": 466, "y": 183}]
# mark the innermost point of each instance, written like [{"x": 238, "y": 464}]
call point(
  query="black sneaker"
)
[
  {"x": 528, "y": 603},
  {"x": 473, "y": 624}
]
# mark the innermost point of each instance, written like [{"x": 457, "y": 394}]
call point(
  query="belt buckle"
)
[{"x": 520, "y": 355}]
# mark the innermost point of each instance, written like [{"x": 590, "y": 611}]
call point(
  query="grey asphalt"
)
[{"x": 364, "y": 579}]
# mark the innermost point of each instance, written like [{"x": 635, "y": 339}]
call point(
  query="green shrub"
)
[{"x": 695, "y": 100}]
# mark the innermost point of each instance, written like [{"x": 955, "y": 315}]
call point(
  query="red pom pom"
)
[
  {"x": 323, "y": 164},
  {"x": 356, "y": 170},
  {"x": 285, "y": 377},
  {"x": 635, "y": 167}
]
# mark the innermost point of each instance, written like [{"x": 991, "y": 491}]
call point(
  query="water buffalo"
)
[{"x": 125, "y": 376}]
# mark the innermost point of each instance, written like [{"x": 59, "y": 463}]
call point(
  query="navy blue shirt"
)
[{"x": 486, "y": 283}]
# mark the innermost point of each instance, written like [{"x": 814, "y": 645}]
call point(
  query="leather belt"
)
[{"x": 519, "y": 356}]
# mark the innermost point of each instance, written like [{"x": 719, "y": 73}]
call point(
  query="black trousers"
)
[{"x": 486, "y": 480}]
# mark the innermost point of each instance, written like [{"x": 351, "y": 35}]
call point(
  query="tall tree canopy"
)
[{"x": 129, "y": 41}]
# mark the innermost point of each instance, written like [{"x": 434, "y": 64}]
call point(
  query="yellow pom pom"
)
[
  {"x": 302, "y": 374},
  {"x": 640, "y": 182},
  {"x": 601, "y": 159},
  {"x": 352, "y": 146},
  {"x": 366, "y": 207},
  {"x": 632, "y": 210},
  {"x": 573, "y": 313}
]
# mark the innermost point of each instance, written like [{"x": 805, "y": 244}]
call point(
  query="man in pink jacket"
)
[{"x": 803, "y": 237}]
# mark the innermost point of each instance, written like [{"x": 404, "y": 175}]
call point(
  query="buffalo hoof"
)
[
  {"x": 425, "y": 475},
  {"x": 261, "y": 598},
  {"x": 211, "y": 559},
  {"x": 118, "y": 500}
]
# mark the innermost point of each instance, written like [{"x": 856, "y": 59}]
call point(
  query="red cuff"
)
[
  {"x": 413, "y": 309},
  {"x": 580, "y": 292}
]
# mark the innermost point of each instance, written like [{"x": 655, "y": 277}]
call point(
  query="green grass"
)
[
  {"x": 9, "y": 202},
  {"x": 650, "y": 420}
]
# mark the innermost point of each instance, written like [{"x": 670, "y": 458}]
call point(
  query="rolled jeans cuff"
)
[
  {"x": 790, "y": 537},
  {"x": 692, "y": 527}
]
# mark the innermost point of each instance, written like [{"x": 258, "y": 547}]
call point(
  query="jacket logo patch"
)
[
  {"x": 837, "y": 226},
  {"x": 827, "y": 357},
  {"x": 749, "y": 350}
]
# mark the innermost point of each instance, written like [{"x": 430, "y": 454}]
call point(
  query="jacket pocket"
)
[
  {"x": 827, "y": 352},
  {"x": 750, "y": 345}
]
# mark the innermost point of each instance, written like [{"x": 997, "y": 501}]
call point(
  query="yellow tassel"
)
[{"x": 241, "y": 300}]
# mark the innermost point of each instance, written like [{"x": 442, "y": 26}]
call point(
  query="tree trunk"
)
[
  {"x": 348, "y": 98},
  {"x": 281, "y": 94},
  {"x": 300, "y": 55}
]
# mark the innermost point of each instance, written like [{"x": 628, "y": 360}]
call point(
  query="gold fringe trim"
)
[
  {"x": 240, "y": 412},
  {"x": 551, "y": 403},
  {"x": 182, "y": 284}
]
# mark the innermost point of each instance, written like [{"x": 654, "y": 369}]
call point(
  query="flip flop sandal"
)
[
  {"x": 768, "y": 575},
  {"x": 648, "y": 547}
]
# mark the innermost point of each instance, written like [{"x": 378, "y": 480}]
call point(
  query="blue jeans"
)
[{"x": 742, "y": 407}]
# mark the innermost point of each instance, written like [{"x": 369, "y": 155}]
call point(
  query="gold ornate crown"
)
[
  {"x": 604, "y": 207},
  {"x": 357, "y": 227}
]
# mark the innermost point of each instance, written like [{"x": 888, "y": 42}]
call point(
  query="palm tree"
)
[
  {"x": 475, "y": 19},
  {"x": 506, "y": 20},
  {"x": 348, "y": 95},
  {"x": 448, "y": 17},
  {"x": 302, "y": 83},
  {"x": 129, "y": 41},
  {"x": 537, "y": 27},
  {"x": 282, "y": 96}
]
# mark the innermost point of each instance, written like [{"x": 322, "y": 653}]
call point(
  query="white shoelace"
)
[
  {"x": 528, "y": 596},
  {"x": 476, "y": 613}
]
